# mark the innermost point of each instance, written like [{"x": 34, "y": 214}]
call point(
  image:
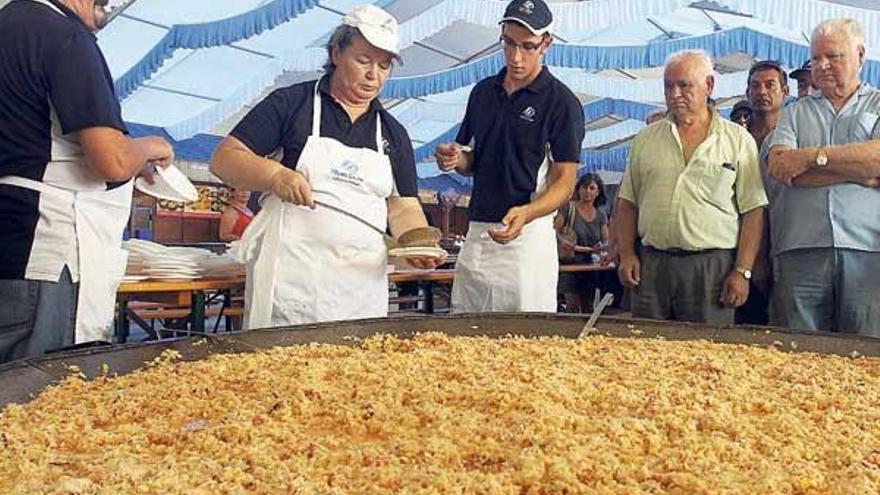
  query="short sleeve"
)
[
  {"x": 628, "y": 183},
  {"x": 567, "y": 130},
  {"x": 785, "y": 133},
  {"x": 749, "y": 183},
  {"x": 403, "y": 165},
  {"x": 81, "y": 88},
  {"x": 465, "y": 133},
  {"x": 563, "y": 211},
  {"x": 771, "y": 187},
  {"x": 262, "y": 129}
]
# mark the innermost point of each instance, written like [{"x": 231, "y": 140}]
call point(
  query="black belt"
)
[{"x": 684, "y": 252}]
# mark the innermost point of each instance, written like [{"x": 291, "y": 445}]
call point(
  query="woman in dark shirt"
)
[
  {"x": 321, "y": 147},
  {"x": 590, "y": 225}
]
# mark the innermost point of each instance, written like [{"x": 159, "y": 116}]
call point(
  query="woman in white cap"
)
[{"x": 333, "y": 147}]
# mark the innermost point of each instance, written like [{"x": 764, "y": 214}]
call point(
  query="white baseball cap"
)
[{"x": 376, "y": 25}]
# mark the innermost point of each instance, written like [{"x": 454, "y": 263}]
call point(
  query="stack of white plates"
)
[
  {"x": 155, "y": 261},
  {"x": 221, "y": 265},
  {"x": 148, "y": 260}
]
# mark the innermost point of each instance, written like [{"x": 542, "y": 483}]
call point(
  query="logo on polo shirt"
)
[
  {"x": 528, "y": 114},
  {"x": 527, "y": 7},
  {"x": 347, "y": 171}
]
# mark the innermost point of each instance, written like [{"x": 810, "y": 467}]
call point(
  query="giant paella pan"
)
[{"x": 502, "y": 403}]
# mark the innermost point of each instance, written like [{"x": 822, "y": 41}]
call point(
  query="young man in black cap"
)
[
  {"x": 520, "y": 139},
  {"x": 804, "y": 78}
]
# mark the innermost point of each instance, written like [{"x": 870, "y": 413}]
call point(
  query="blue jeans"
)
[
  {"x": 830, "y": 289},
  {"x": 36, "y": 316}
]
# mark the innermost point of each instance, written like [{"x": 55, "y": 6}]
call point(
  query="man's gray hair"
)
[
  {"x": 698, "y": 57},
  {"x": 342, "y": 37},
  {"x": 849, "y": 28}
]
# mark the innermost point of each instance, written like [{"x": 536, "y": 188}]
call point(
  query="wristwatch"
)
[
  {"x": 745, "y": 272},
  {"x": 821, "y": 158}
]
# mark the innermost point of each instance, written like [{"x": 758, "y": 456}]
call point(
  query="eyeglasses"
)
[{"x": 527, "y": 48}]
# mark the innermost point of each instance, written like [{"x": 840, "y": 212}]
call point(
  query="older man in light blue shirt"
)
[{"x": 824, "y": 203}]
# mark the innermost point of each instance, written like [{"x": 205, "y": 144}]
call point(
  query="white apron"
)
[
  {"x": 518, "y": 276},
  {"x": 100, "y": 218},
  {"x": 307, "y": 266}
]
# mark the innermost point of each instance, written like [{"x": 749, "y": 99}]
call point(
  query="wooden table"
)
[
  {"x": 587, "y": 268},
  {"x": 427, "y": 278},
  {"x": 188, "y": 292},
  {"x": 192, "y": 292},
  {"x": 438, "y": 275}
]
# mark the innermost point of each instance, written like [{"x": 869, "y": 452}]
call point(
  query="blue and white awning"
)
[{"x": 192, "y": 68}]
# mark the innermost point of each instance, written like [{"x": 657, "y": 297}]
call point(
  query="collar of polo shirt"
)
[{"x": 542, "y": 81}]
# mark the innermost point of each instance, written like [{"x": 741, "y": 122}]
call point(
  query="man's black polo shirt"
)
[
  {"x": 284, "y": 120},
  {"x": 509, "y": 134},
  {"x": 53, "y": 82}
]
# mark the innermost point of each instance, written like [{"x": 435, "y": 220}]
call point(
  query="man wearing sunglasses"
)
[
  {"x": 520, "y": 140},
  {"x": 66, "y": 166}
]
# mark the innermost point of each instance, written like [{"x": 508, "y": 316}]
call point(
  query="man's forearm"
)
[
  {"x": 561, "y": 183},
  {"x": 855, "y": 160},
  {"x": 750, "y": 232},
  {"x": 820, "y": 177}
]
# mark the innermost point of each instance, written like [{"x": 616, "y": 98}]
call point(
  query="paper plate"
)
[
  {"x": 411, "y": 252},
  {"x": 168, "y": 183}
]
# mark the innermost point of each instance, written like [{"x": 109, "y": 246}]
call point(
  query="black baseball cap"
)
[
  {"x": 805, "y": 69},
  {"x": 535, "y": 15}
]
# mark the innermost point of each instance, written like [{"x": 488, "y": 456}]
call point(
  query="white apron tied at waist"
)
[
  {"x": 518, "y": 276},
  {"x": 307, "y": 266},
  {"x": 99, "y": 219}
]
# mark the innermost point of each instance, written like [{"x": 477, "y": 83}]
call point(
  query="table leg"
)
[
  {"x": 121, "y": 328},
  {"x": 132, "y": 316},
  {"x": 428, "y": 287},
  {"x": 197, "y": 313}
]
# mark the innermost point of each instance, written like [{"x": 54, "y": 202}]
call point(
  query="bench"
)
[{"x": 233, "y": 314}]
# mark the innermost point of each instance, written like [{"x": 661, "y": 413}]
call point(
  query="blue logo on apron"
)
[{"x": 347, "y": 171}]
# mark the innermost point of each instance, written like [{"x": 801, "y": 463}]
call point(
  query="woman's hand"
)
[
  {"x": 293, "y": 187},
  {"x": 424, "y": 262}
]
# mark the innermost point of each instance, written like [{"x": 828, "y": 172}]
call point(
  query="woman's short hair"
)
[
  {"x": 342, "y": 37},
  {"x": 588, "y": 178}
]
